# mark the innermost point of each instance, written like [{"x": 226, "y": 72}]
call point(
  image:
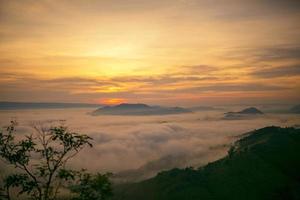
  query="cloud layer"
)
[{"x": 148, "y": 144}]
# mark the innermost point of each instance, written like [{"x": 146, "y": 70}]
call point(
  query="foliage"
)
[
  {"x": 40, "y": 159},
  {"x": 92, "y": 187}
]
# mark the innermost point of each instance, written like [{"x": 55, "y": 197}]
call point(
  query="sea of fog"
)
[{"x": 123, "y": 143}]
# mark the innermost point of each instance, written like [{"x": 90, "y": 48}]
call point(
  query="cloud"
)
[
  {"x": 165, "y": 79},
  {"x": 144, "y": 143},
  {"x": 198, "y": 69},
  {"x": 144, "y": 50},
  {"x": 180, "y": 84},
  {"x": 73, "y": 82},
  {"x": 243, "y": 10},
  {"x": 230, "y": 87},
  {"x": 274, "y": 72},
  {"x": 290, "y": 5},
  {"x": 20, "y": 83},
  {"x": 278, "y": 53},
  {"x": 265, "y": 54}
]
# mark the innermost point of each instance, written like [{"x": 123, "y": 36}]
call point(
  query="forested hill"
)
[{"x": 263, "y": 165}]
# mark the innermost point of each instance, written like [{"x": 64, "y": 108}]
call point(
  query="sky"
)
[{"x": 171, "y": 52}]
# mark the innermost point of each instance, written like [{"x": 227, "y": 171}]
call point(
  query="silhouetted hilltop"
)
[
  {"x": 251, "y": 110},
  {"x": 295, "y": 109},
  {"x": 130, "y": 106},
  {"x": 243, "y": 114},
  {"x": 138, "y": 109},
  {"x": 263, "y": 165}
]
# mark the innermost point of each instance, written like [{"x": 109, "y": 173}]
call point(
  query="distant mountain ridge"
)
[
  {"x": 138, "y": 109},
  {"x": 243, "y": 114},
  {"x": 262, "y": 165},
  {"x": 4, "y": 105},
  {"x": 251, "y": 110}
]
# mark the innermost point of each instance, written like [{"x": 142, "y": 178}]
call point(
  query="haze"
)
[{"x": 126, "y": 143}]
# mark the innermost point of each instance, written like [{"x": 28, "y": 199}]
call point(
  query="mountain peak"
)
[
  {"x": 251, "y": 110},
  {"x": 243, "y": 114},
  {"x": 138, "y": 109}
]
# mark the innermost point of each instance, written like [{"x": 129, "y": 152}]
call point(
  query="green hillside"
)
[{"x": 263, "y": 165}]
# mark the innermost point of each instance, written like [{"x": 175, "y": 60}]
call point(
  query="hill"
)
[
  {"x": 263, "y": 165},
  {"x": 138, "y": 109},
  {"x": 243, "y": 114},
  {"x": 251, "y": 110}
]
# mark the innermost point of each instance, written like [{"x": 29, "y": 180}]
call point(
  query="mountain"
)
[
  {"x": 295, "y": 109},
  {"x": 248, "y": 111},
  {"x": 243, "y": 114},
  {"x": 264, "y": 164},
  {"x": 32, "y": 105},
  {"x": 138, "y": 109}
]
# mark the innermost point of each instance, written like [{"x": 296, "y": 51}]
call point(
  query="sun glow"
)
[
  {"x": 113, "y": 101},
  {"x": 152, "y": 50}
]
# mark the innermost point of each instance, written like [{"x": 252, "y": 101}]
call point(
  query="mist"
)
[{"x": 141, "y": 146}]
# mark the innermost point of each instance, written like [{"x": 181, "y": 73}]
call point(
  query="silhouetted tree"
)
[
  {"x": 41, "y": 162},
  {"x": 92, "y": 187}
]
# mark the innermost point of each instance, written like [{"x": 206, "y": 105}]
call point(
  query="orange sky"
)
[{"x": 178, "y": 52}]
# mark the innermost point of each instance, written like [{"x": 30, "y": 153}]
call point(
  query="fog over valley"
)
[
  {"x": 149, "y": 100},
  {"x": 137, "y": 147}
]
